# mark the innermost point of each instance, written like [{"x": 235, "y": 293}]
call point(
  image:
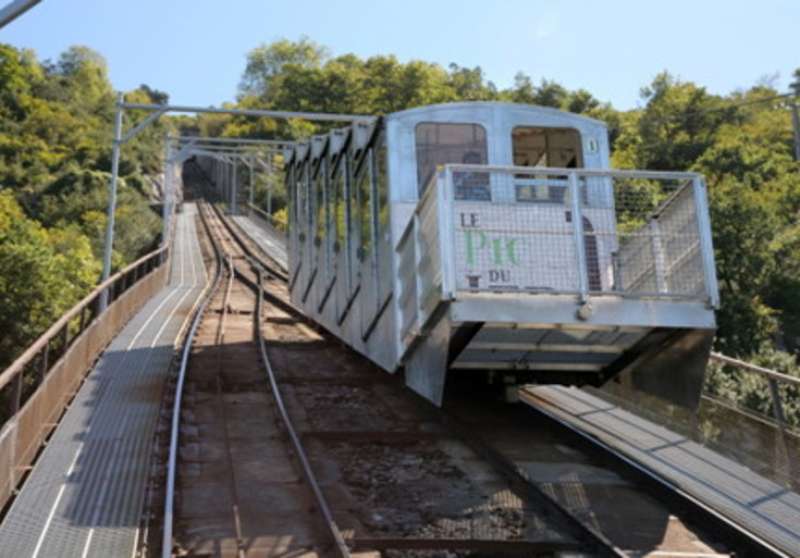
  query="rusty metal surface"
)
[
  {"x": 84, "y": 495},
  {"x": 237, "y": 491},
  {"x": 336, "y": 440}
]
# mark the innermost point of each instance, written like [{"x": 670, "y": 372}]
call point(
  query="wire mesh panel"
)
[
  {"x": 637, "y": 234},
  {"x": 652, "y": 237},
  {"x": 511, "y": 234}
]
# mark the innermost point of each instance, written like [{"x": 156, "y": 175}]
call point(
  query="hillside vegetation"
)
[{"x": 56, "y": 121}]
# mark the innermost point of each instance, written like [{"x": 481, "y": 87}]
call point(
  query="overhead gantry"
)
[{"x": 154, "y": 113}]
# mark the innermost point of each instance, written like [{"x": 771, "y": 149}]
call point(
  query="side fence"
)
[
  {"x": 36, "y": 388},
  {"x": 775, "y": 380}
]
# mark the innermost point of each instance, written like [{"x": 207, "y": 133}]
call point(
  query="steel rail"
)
[
  {"x": 24, "y": 359},
  {"x": 172, "y": 459},
  {"x": 311, "y": 478},
  {"x": 338, "y": 538},
  {"x": 270, "y": 269},
  {"x": 219, "y": 340},
  {"x": 275, "y": 270}
]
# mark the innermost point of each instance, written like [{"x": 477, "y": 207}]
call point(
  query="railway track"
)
[
  {"x": 322, "y": 447},
  {"x": 257, "y": 426}
]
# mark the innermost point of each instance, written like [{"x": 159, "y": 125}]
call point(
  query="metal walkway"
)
[
  {"x": 265, "y": 236},
  {"x": 765, "y": 508},
  {"x": 85, "y": 494}
]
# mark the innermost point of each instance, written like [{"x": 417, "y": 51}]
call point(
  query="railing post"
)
[
  {"x": 269, "y": 195},
  {"x": 782, "y": 451},
  {"x": 16, "y": 395},
  {"x": 112, "y": 199},
  {"x": 65, "y": 337},
  {"x": 706, "y": 244},
  {"x": 166, "y": 209},
  {"x": 577, "y": 229},
  {"x": 251, "y": 193},
  {"x": 447, "y": 233},
  {"x": 45, "y": 359},
  {"x": 777, "y": 406},
  {"x": 659, "y": 259},
  {"x": 234, "y": 183}
]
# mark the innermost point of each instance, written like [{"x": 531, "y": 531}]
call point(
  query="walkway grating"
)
[{"x": 85, "y": 494}]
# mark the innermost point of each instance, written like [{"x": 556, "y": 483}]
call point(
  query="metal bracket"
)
[{"x": 152, "y": 117}]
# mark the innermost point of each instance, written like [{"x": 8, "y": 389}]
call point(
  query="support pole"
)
[
  {"x": 577, "y": 230},
  {"x": 165, "y": 202},
  {"x": 112, "y": 201},
  {"x": 15, "y": 9},
  {"x": 269, "y": 186},
  {"x": 233, "y": 187},
  {"x": 228, "y": 183},
  {"x": 251, "y": 197}
]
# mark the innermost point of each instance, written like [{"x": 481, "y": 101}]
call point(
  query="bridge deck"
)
[
  {"x": 272, "y": 242},
  {"x": 763, "y": 507},
  {"x": 85, "y": 494}
]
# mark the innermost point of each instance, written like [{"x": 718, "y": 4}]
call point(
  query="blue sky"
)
[{"x": 195, "y": 49}]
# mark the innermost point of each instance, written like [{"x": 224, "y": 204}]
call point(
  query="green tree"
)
[
  {"x": 265, "y": 64},
  {"x": 42, "y": 274}
]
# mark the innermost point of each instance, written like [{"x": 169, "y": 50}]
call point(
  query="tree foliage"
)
[
  {"x": 56, "y": 121},
  {"x": 43, "y": 272}
]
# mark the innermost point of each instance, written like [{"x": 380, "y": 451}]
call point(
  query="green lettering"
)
[
  {"x": 497, "y": 253},
  {"x": 511, "y": 251},
  {"x": 470, "y": 244}
]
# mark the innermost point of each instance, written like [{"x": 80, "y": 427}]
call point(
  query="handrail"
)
[
  {"x": 701, "y": 285},
  {"x": 618, "y": 173},
  {"x": 272, "y": 220},
  {"x": 25, "y": 358},
  {"x": 772, "y": 378},
  {"x": 755, "y": 368}
]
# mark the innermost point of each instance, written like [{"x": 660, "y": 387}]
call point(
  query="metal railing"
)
[
  {"x": 576, "y": 231},
  {"x": 583, "y": 232},
  {"x": 774, "y": 380},
  {"x": 36, "y": 388},
  {"x": 278, "y": 225},
  {"x": 741, "y": 416},
  {"x": 750, "y": 423}
]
